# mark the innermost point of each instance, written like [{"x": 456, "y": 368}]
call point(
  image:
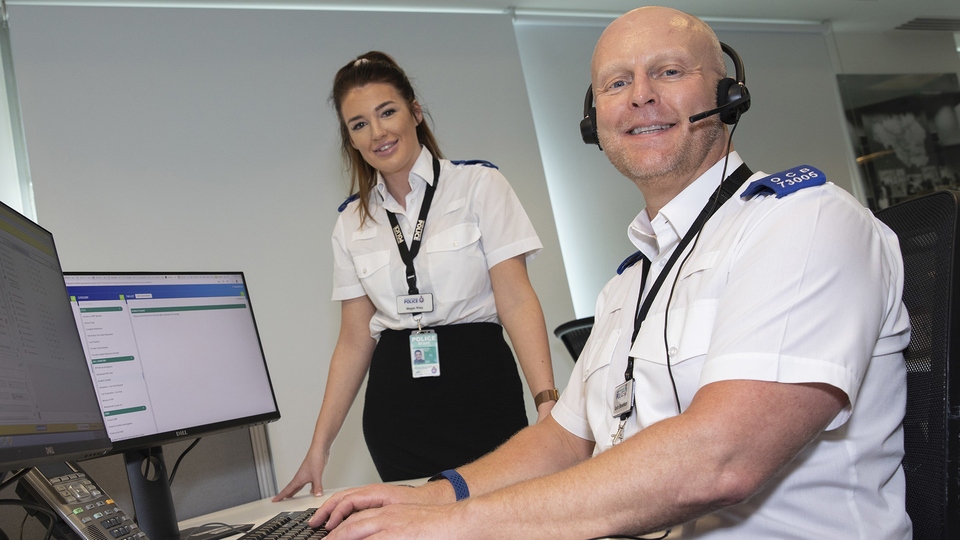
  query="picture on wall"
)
[{"x": 905, "y": 130}]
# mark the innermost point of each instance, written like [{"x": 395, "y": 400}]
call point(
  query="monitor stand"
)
[{"x": 153, "y": 501}]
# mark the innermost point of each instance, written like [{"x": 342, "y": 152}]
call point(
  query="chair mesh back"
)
[
  {"x": 574, "y": 335},
  {"x": 927, "y": 229}
]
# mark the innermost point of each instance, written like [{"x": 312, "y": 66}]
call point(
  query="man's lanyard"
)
[
  {"x": 407, "y": 255},
  {"x": 724, "y": 191}
]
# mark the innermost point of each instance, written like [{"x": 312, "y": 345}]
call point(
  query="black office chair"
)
[
  {"x": 574, "y": 335},
  {"x": 928, "y": 230}
]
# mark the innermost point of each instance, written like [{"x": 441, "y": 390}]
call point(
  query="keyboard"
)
[{"x": 287, "y": 526}]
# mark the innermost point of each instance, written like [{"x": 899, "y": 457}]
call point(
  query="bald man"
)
[{"x": 744, "y": 378}]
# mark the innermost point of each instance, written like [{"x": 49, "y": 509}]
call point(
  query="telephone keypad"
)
[{"x": 82, "y": 503}]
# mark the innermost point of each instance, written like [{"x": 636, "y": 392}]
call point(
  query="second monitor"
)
[{"x": 172, "y": 356}]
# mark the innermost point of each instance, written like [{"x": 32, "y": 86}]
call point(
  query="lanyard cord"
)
[
  {"x": 724, "y": 191},
  {"x": 407, "y": 255}
]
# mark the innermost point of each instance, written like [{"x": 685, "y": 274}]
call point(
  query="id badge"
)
[
  {"x": 415, "y": 303},
  {"x": 424, "y": 354},
  {"x": 623, "y": 398}
]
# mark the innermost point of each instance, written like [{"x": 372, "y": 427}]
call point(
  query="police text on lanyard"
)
[{"x": 415, "y": 301}]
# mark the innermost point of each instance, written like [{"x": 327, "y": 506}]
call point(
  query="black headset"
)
[{"x": 733, "y": 99}]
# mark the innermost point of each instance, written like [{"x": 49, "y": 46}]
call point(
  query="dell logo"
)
[
  {"x": 181, "y": 433},
  {"x": 49, "y": 450}
]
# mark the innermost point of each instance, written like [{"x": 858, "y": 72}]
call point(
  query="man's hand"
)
[
  {"x": 400, "y": 521},
  {"x": 342, "y": 504}
]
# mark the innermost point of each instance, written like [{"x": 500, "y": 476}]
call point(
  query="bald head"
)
[
  {"x": 656, "y": 24},
  {"x": 654, "y": 68}
]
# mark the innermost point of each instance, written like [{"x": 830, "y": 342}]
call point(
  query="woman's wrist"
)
[{"x": 547, "y": 395}]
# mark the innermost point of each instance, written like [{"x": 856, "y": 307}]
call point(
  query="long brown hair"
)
[{"x": 369, "y": 68}]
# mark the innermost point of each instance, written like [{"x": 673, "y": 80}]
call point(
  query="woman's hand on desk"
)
[
  {"x": 343, "y": 504},
  {"x": 310, "y": 472}
]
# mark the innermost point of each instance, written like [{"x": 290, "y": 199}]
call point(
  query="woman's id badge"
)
[
  {"x": 424, "y": 356},
  {"x": 415, "y": 303}
]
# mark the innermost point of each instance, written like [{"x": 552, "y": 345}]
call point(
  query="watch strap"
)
[
  {"x": 547, "y": 395},
  {"x": 460, "y": 488}
]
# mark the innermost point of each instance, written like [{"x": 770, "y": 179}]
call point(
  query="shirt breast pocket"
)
[
  {"x": 599, "y": 353},
  {"x": 373, "y": 270},
  {"x": 689, "y": 321},
  {"x": 458, "y": 267}
]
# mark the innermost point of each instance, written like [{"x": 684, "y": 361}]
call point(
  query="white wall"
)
[{"x": 191, "y": 139}]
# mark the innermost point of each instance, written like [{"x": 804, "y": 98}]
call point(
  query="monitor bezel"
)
[{"x": 193, "y": 432}]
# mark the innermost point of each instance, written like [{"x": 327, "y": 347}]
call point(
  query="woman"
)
[{"x": 429, "y": 259}]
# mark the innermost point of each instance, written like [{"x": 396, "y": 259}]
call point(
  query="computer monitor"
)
[
  {"x": 172, "y": 356},
  {"x": 48, "y": 406}
]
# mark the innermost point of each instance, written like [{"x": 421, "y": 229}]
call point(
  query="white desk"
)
[{"x": 256, "y": 512}]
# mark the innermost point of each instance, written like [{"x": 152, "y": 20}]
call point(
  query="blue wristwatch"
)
[{"x": 460, "y": 488}]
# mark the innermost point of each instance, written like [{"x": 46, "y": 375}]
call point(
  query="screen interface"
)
[
  {"x": 45, "y": 393},
  {"x": 170, "y": 352}
]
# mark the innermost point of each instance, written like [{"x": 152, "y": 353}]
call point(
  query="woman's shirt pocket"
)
[
  {"x": 456, "y": 262},
  {"x": 373, "y": 270}
]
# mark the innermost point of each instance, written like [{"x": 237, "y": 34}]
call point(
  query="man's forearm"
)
[{"x": 538, "y": 450}]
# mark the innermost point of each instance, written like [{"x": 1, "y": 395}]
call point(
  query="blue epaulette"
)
[
  {"x": 786, "y": 182},
  {"x": 630, "y": 261},
  {"x": 350, "y": 199},
  {"x": 475, "y": 162}
]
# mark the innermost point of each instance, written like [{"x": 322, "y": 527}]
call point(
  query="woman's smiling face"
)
[{"x": 383, "y": 128}]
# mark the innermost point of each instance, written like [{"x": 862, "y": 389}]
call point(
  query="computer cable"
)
[
  {"x": 176, "y": 465},
  {"x": 14, "y": 478},
  {"x": 36, "y": 508}
]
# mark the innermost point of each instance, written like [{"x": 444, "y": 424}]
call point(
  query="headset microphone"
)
[
  {"x": 733, "y": 99},
  {"x": 733, "y": 107}
]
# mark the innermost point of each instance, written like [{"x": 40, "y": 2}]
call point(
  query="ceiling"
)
[{"x": 843, "y": 15}]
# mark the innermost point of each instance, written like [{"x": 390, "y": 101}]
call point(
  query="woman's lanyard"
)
[
  {"x": 414, "y": 301},
  {"x": 624, "y": 394}
]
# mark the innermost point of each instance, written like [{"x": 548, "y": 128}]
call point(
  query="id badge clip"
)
[
  {"x": 415, "y": 303},
  {"x": 623, "y": 398}
]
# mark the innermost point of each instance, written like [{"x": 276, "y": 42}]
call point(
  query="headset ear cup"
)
[
  {"x": 588, "y": 126},
  {"x": 734, "y": 98},
  {"x": 727, "y": 93}
]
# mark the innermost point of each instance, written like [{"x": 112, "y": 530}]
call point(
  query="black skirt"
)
[{"x": 415, "y": 428}]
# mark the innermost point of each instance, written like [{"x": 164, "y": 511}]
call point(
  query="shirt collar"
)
[
  {"x": 420, "y": 175},
  {"x": 657, "y": 237}
]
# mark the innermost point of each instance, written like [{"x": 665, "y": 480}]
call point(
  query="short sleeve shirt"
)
[
  {"x": 800, "y": 289},
  {"x": 475, "y": 222}
]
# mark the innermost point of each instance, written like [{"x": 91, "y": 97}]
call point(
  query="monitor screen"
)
[
  {"x": 48, "y": 406},
  {"x": 172, "y": 355}
]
